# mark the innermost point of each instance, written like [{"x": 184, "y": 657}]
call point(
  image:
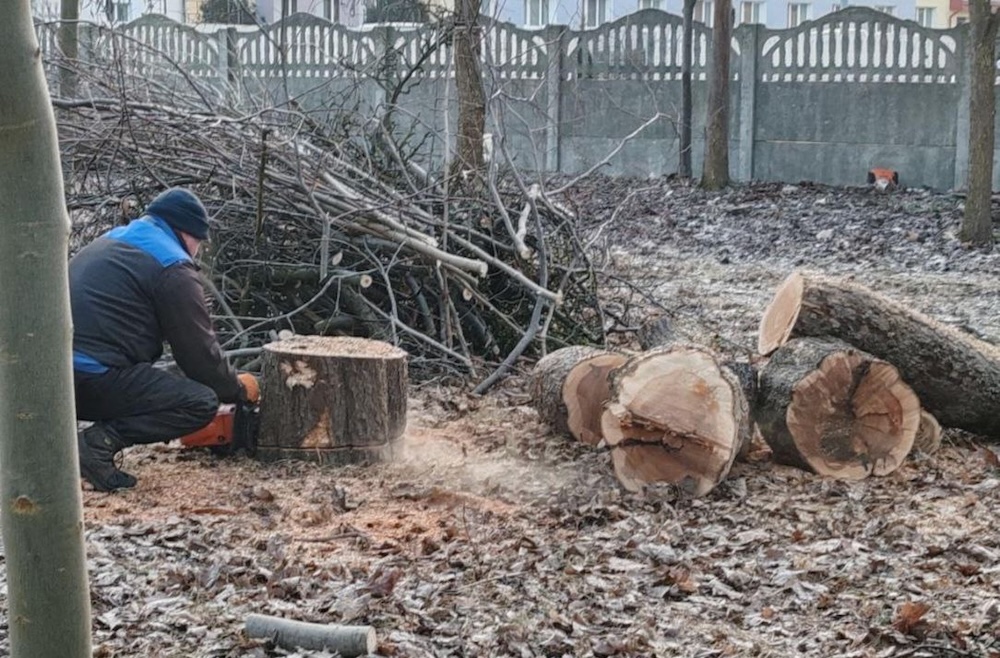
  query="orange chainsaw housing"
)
[{"x": 218, "y": 432}]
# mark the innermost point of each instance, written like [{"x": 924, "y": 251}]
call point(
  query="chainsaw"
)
[{"x": 234, "y": 428}]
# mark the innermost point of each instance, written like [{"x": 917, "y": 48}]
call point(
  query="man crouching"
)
[{"x": 131, "y": 289}]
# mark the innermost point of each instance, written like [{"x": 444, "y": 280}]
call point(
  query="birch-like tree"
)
[
  {"x": 40, "y": 506},
  {"x": 977, "y": 224}
]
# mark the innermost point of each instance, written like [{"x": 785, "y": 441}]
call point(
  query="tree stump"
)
[
  {"x": 827, "y": 407},
  {"x": 569, "y": 388},
  {"x": 335, "y": 400},
  {"x": 956, "y": 376},
  {"x": 676, "y": 415}
]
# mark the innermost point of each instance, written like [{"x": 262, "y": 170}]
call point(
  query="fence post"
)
[
  {"x": 963, "y": 52},
  {"x": 556, "y": 40},
  {"x": 749, "y": 40}
]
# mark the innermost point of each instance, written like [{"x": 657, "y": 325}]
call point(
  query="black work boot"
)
[{"x": 98, "y": 448}]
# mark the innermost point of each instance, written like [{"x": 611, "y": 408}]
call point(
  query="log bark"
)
[
  {"x": 676, "y": 415},
  {"x": 345, "y": 641},
  {"x": 569, "y": 388},
  {"x": 956, "y": 376},
  {"x": 338, "y": 400},
  {"x": 829, "y": 408},
  {"x": 928, "y": 438}
]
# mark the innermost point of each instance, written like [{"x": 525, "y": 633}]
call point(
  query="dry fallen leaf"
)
[{"x": 910, "y": 616}]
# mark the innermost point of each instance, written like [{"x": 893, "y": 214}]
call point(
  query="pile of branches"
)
[{"x": 326, "y": 227}]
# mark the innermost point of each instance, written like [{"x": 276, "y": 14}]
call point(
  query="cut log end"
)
[
  {"x": 851, "y": 417},
  {"x": 569, "y": 388},
  {"x": 676, "y": 416},
  {"x": 781, "y": 315},
  {"x": 584, "y": 392}
]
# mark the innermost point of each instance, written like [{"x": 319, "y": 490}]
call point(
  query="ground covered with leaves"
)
[{"x": 489, "y": 536}]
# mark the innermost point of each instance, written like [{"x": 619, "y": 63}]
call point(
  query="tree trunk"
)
[
  {"x": 977, "y": 224},
  {"x": 569, "y": 388},
  {"x": 675, "y": 415},
  {"x": 333, "y": 400},
  {"x": 956, "y": 376},
  {"x": 40, "y": 502},
  {"x": 826, "y": 407},
  {"x": 715, "y": 174},
  {"x": 469, "y": 87},
  {"x": 687, "y": 55},
  {"x": 69, "y": 45}
]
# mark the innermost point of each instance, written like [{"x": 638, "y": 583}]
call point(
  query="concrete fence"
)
[{"x": 825, "y": 101}]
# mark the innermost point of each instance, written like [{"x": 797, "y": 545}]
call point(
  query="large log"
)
[
  {"x": 956, "y": 376},
  {"x": 338, "y": 400},
  {"x": 569, "y": 388},
  {"x": 676, "y": 415},
  {"x": 827, "y": 407}
]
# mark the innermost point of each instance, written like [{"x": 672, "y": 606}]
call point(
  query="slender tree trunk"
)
[
  {"x": 40, "y": 506},
  {"x": 469, "y": 87},
  {"x": 684, "y": 168},
  {"x": 715, "y": 174},
  {"x": 977, "y": 226},
  {"x": 69, "y": 45}
]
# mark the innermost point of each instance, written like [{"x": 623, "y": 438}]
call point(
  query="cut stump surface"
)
[{"x": 338, "y": 400}]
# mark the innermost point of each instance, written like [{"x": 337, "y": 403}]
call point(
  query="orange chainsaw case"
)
[{"x": 219, "y": 430}]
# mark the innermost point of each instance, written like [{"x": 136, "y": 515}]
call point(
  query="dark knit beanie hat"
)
[{"x": 182, "y": 211}]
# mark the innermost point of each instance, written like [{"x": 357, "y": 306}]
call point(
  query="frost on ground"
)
[{"x": 489, "y": 536}]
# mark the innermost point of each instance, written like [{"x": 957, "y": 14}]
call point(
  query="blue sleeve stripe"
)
[
  {"x": 153, "y": 236},
  {"x": 85, "y": 363}
]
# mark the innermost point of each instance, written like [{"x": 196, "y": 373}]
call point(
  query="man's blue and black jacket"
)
[{"x": 134, "y": 288}]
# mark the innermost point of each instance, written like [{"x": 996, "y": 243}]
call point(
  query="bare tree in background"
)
[
  {"x": 684, "y": 168},
  {"x": 69, "y": 45},
  {"x": 41, "y": 514},
  {"x": 715, "y": 174},
  {"x": 977, "y": 224},
  {"x": 469, "y": 86}
]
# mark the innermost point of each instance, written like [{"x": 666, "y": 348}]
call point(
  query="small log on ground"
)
[
  {"x": 569, "y": 388},
  {"x": 676, "y": 415},
  {"x": 928, "y": 438},
  {"x": 956, "y": 376},
  {"x": 827, "y": 407},
  {"x": 346, "y": 641},
  {"x": 336, "y": 400}
]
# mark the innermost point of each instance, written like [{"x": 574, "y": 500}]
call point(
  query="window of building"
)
[
  {"x": 328, "y": 9},
  {"x": 798, "y": 13},
  {"x": 925, "y": 16},
  {"x": 703, "y": 12},
  {"x": 886, "y": 9},
  {"x": 836, "y": 7},
  {"x": 594, "y": 12},
  {"x": 750, "y": 12},
  {"x": 289, "y": 7},
  {"x": 536, "y": 12},
  {"x": 650, "y": 4},
  {"x": 122, "y": 12}
]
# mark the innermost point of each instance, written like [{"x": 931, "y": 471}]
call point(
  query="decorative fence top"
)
[
  {"x": 859, "y": 44},
  {"x": 853, "y": 45}
]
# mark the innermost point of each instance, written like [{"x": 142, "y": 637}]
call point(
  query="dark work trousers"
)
[{"x": 143, "y": 404}]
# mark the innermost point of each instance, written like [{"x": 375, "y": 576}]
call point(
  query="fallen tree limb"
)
[{"x": 346, "y": 641}]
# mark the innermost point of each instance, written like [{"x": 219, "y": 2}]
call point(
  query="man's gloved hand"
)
[{"x": 250, "y": 387}]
